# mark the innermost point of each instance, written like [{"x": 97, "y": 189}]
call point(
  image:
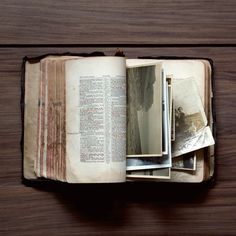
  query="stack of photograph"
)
[{"x": 169, "y": 133}]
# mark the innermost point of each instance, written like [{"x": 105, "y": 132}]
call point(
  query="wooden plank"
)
[
  {"x": 117, "y": 22},
  {"x": 132, "y": 208}
]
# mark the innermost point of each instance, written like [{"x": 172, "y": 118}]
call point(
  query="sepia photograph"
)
[
  {"x": 191, "y": 130},
  {"x": 141, "y": 163},
  {"x": 144, "y": 111},
  {"x": 163, "y": 173},
  {"x": 185, "y": 162}
]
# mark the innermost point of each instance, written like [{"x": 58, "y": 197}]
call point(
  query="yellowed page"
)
[
  {"x": 95, "y": 120},
  {"x": 32, "y": 76},
  {"x": 50, "y": 157}
]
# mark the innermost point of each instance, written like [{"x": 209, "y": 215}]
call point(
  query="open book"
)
[{"x": 111, "y": 119}]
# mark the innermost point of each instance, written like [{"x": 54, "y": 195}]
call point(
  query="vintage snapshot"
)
[
  {"x": 185, "y": 162},
  {"x": 191, "y": 130},
  {"x": 164, "y": 173},
  {"x": 141, "y": 163},
  {"x": 144, "y": 111}
]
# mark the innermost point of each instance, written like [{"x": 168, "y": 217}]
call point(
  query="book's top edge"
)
[
  {"x": 39, "y": 58},
  {"x": 177, "y": 58},
  {"x": 209, "y": 60}
]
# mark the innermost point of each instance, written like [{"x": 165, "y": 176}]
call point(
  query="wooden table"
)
[{"x": 153, "y": 28}]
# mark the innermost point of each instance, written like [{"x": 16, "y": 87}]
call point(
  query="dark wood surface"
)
[
  {"x": 109, "y": 21},
  {"x": 176, "y": 28},
  {"x": 124, "y": 208}
]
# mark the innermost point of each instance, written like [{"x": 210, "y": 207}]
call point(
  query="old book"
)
[{"x": 109, "y": 119}]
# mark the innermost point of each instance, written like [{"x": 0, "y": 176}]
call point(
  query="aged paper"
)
[
  {"x": 96, "y": 118},
  {"x": 32, "y": 75},
  {"x": 50, "y": 155}
]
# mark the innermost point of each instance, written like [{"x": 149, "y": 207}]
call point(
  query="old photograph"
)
[
  {"x": 191, "y": 130},
  {"x": 185, "y": 162},
  {"x": 163, "y": 173},
  {"x": 141, "y": 163},
  {"x": 144, "y": 111}
]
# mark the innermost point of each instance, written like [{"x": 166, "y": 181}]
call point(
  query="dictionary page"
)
[{"x": 96, "y": 120}]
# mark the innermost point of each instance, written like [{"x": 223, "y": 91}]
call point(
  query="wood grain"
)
[
  {"x": 117, "y": 22},
  {"x": 127, "y": 209}
]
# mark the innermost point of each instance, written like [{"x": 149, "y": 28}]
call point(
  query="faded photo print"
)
[
  {"x": 143, "y": 111},
  {"x": 191, "y": 132},
  {"x": 185, "y": 162}
]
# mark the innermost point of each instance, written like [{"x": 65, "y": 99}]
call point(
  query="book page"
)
[
  {"x": 32, "y": 76},
  {"x": 36, "y": 144},
  {"x": 48, "y": 115},
  {"x": 96, "y": 120}
]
